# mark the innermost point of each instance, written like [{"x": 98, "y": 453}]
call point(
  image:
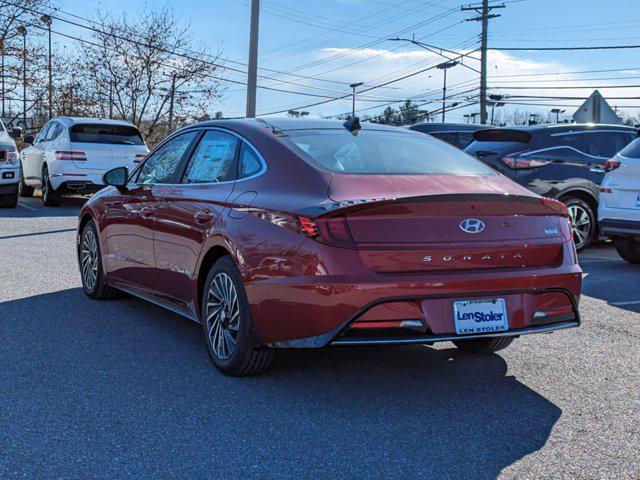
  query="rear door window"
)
[
  {"x": 605, "y": 144},
  {"x": 106, "y": 134},
  {"x": 213, "y": 160}
]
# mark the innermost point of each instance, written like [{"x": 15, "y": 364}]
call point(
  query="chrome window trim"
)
[{"x": 223, "y": 130}]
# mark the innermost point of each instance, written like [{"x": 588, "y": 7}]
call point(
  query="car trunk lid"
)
[{"x": 478, "y": 223}]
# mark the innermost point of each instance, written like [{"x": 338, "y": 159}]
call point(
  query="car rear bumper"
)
[
  {"x": 620, "y": 227},
  {"x": 9, "y": 176},
  {"x": 319, "y": 314}
]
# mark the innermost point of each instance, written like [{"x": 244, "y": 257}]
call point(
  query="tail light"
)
[
  {"x": 611, "y": 165},
  {"x": 516, "y": 162},
  {"x": 557, "y": 206},
  {"x": 71, "y": 155},
  {"x": 332, "y": 231}
]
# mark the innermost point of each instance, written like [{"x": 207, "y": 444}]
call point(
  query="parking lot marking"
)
[{"x": 27, "y": 207}]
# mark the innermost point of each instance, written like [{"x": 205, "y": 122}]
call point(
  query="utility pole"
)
[
  {"x": 444, "y": 67},
  {"x": 484, "y": 10},
  {"x": 252, "y": 72},
  {"x": 2, "y": 77},
  {"x": 353, "y": 97},
  {"x": 46, "y": 19},
  {"x": 171, "y": 102},
  {"x": 23, "y": 31}
]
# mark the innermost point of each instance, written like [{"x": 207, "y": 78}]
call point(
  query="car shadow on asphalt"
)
[
  {"x": 33, "y": 208},
  {"x": 125, "y": 388},
  {"x": 614, "y": 281}
]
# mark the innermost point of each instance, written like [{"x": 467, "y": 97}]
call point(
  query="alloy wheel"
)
[
  {"x": 89, "y": 259},
  {"x": 223, "y": 316},
  {"x": 581, "y": 225}
]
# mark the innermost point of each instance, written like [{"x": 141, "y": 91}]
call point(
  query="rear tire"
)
[
  {"x": 49, "y": 196},
  {"x": 94, "y": 280},
  {"x": 583, "y": 221},
  {"x": 227, "y": 326},
  {"x": 484, "y": 345},
  {"x": 629, "y": 249},
  {"x": 23, "y": 189}
]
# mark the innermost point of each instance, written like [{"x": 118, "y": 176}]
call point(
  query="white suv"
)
[
  {"x": 9, "y": 167},
  {"x": 71, "y": 155},
  {"x": 619, "y": 211}
]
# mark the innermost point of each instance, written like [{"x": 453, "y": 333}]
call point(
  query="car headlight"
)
[{"x": 9, "y": 155}]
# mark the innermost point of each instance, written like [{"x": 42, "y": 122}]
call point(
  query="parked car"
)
[
  {"x": 312, "y": 233},
  {"x": 457, "y": 134},
  {"x": 9, "y": 167},
  {"x": 619, "y": 211},
  {"x": 565, "y": 162},
  {"x": 70, "y": 155}
]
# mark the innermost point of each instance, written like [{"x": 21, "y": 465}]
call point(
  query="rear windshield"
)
[
  {"x": 632, "y": 150},
  {"x": 382, "y": 152},
  {"x": 109, "y": 134}
]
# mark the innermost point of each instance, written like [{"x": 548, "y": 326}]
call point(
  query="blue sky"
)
[{"x": 343, "y": 41}]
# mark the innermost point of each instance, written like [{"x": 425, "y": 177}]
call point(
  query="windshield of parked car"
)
[
  {"x": 382, "y": 152},
  {"x": 109, "y": 134}
]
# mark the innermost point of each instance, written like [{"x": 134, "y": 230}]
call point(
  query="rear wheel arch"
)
[{"x": 582, "y": 195}]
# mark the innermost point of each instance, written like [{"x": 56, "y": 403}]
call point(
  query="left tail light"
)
[
  {"x": 332, "y": 231},
  {"x": 611, "y": 165},
  {"x": 74, "y": 156},
  {"x": 516, "y": 162}
]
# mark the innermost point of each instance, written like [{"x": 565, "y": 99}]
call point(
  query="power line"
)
[{"x": 555, "y": 49}]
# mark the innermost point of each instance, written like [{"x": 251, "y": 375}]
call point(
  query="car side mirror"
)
[
  {"x": 16, "y": 132},
  {"x": 117, "y": 177},
  {"x": 28, "y": 139}
]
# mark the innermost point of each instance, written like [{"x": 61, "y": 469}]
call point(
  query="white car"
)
[
  {"x": 9, "y": 168},
  {"x": 619, "y": 211},
  {"x": 71, "y": 154}
]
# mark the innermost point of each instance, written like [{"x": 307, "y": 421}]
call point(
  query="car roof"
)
[
  {"x": 288, "y": 124},
  {"x": 81, "y": 120},
  {"x": 446, "y": 127}
]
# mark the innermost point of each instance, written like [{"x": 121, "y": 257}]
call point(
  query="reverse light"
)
[
  {"x": 71, "y": 155},
  {"x": 611, "y": 165}
]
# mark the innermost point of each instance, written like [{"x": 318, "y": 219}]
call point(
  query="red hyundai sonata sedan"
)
[{"x": 311, "y": 233}]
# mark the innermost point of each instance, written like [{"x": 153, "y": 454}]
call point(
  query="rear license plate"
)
[{"x": 480, "y": 316}]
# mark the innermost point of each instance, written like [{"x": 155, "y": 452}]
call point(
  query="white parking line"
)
[
  {"x": 27, "y": 207},
  {"x": 622, "y": 304}
]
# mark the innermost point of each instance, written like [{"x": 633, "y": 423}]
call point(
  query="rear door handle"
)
[
  {"x": 147, "y": 211},
  {"x": 203, "y": 216}
]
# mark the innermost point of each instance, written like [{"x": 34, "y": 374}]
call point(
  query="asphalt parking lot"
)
[{"x": 125, "y": 389}]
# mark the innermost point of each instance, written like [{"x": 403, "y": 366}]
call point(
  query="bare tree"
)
[{"x": 148, "y": 69}]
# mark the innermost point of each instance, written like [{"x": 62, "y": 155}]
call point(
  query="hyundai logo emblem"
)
[{"x": 472, "y": 225}]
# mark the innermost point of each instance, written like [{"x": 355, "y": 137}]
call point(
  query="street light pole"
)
[
  {"x": 252, "y": 72},
  {"x": 445, "y": 66},
  {"x": 23, "y": 31},
  {"x": 2, "y": 76},
  {"x": 46, "y": 19},
  {"x": 353, "y": 97}
]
